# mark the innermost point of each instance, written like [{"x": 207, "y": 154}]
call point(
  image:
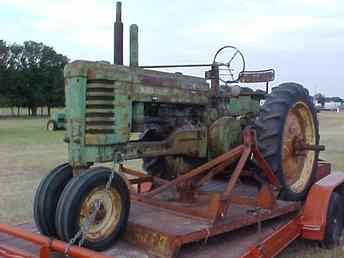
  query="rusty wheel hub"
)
[
  {"x": 107, "y": 216},
  {"x": 298, "y": 133}
]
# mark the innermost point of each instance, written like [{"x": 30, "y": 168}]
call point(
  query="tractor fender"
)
[{"x": 313, "y": 220}]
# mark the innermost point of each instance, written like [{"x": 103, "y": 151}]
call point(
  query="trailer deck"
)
[
  {"x": 228, "y": 245},
  {"x": 157, "y": 232}
]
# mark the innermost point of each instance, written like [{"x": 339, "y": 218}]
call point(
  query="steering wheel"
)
[{"x": 230, "y": 62}]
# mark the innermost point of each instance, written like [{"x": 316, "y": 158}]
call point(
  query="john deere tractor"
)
[{"x": 181, "y": 122}]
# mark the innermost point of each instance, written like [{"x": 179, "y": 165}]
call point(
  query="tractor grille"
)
[{"x": 100, "y": 115}]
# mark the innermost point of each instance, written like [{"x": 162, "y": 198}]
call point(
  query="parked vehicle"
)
[{"x": 56, "y": 121}]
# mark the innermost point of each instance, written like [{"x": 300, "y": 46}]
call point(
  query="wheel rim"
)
[
  {"x": 50, "y": 126},
  {"x": 297, "y": 166},
  {"x": 106, "y": 218}
]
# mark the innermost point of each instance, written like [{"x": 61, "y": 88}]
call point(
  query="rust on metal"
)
[
  {"x": 140, "y": 174},
  {"x": 257, "y": 76},
  {"x": 153, "y": 241},
  {"x": 213, "y": 209},
  {"x": 266, "y": 198},
  {"x": 277, "y": 241},
  {"x": 104, "y": 223},
  {"x": 231, "y": 155},
  {"x": 299, "y": 131},
  {"x": 53, "y": 244},
  {"x": 169, "y": 230}
]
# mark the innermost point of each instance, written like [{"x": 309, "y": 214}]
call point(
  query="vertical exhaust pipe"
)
[
  {"x": 118, "y": 36},
  {"x": 134, "y": 45}
]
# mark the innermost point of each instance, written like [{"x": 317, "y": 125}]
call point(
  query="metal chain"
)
[
  {"x": 84, "y": 228},
  {"x": 88, "y": 222}
]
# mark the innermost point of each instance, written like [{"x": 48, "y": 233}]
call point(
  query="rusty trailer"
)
[{"x": 242, "y": 223}]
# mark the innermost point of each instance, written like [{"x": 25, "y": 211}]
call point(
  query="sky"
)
[{"x": 301, "y": 39}]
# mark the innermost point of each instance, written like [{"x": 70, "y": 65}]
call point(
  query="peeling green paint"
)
[{"x": 105, "y": 103}]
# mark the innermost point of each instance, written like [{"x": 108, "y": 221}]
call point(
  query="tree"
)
[
  {"x": 4, "y": 56},
  {"x": 334, "y": 99},
  {"x": 31, "y": 75},
  {"x": 15, "y": 77},
  {"x": 35, "y": 74}
]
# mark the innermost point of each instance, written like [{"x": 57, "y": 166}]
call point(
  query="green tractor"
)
[
  {"x": 56, "y": 121},
  {"x": 182, "y": 122}
]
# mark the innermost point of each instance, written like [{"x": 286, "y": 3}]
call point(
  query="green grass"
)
[
  {"x": 28, "y": 132},
  {"x": 332, "y": 136},
  {"x": 28, "y": 151}
]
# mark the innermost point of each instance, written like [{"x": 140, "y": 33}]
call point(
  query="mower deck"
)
[{"x": 163, "y": 232}]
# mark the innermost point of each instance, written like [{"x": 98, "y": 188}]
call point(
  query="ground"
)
[{"x": 28, "y": 151}]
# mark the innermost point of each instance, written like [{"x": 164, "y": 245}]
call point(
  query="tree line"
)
[
  {"x": 322, "y": 99},
  {"x": 31, "y": 76}
]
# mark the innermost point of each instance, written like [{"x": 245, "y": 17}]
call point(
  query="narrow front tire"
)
[
  {"x": 78, "y": 202},
  {"x": 46, "y": 197}
]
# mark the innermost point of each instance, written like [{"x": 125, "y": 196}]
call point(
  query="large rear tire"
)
[
  {"x": 78, "y": 201},
  {"x": 287, "y": 115},
  {"x": 46, "y": 197}
]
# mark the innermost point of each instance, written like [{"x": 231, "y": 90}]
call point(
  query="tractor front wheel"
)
[
  {"x": 86, "y": 204},
  {"x": 47, "y": 196},
  {"x": 287, "y": 133}
]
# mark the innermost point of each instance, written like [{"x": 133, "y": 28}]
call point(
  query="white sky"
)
[{"x": 302, "y": 39}]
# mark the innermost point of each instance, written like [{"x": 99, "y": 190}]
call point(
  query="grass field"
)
[{"x": 28, "y": 152}]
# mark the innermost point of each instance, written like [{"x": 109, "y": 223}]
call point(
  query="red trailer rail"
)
[{"x": 44, "y": 245}]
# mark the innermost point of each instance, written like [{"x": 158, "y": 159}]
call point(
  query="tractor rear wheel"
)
[
  {"x": 77, "y": 208},
  {"x": 47, "y": 196},
  {"x": 286, "y": 121}
]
